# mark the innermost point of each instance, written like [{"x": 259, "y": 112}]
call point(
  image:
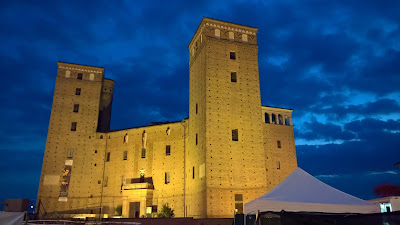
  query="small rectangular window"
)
[
  {"x": 235, "y": 135},
  {"x": 105, "y": 181},
  {"x": 233, "y": 55},
  {"x": 168, "y": 150},
  {"x": 279, "y": 144},
  {"x": 278, "y": 165},
  {"x": 238, "y": 203},
  {"x": 143, "y": 153},
  {"x": 167, "y": 178},
  {"x": 193, "y": 172},
  {"x": 73, "y": 126},
  {"x": 233, "y": 77},
  {"x": 125, "y": 155},
  {"x": 78, "y": 91},
  {"x": 70, "y": 153},
  {"x": 76, "y": 107},
  {"x": 80, "y": 75},
  {"x": 197, "y": 139},
  {"x": 108, "y": 156}
]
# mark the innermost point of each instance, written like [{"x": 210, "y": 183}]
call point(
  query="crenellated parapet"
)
[{"x": 212, "y": 28}]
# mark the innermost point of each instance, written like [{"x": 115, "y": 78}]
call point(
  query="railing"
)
[{"x": 138, "y": 186}]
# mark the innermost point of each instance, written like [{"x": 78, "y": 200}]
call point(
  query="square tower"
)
[{"x": 225, "y": 123}]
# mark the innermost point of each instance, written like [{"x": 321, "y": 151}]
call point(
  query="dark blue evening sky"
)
[{"x": 336, "y": 63}]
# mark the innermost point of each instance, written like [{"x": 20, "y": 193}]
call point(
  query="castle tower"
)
[
  {"x": 80, "y": 94},
  {"x": 225, "y": 122}
]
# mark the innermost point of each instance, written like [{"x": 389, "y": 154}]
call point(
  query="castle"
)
[{"x": 228, "y": 152}]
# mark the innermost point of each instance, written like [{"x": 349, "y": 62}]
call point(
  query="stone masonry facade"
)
[{"x": 229, "y": 151}]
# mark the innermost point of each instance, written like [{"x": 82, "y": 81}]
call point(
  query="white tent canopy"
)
[{"x": 301, "y": 192}]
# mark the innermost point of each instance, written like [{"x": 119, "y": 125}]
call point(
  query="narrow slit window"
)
[
  {"x": 278, "y": 165},
  {"x": 78, "y": 91},
  {"x": 105, "y": 182},
  {"x": 168, "y": 150},
  {"x": 70, "y": 153},
  {"x": 235, "y": 135},
  {"x": 233, "y": 55},
  {"x": 76, "y": 107},
  {"x": 279, "y": 144},
  {"x": 167, "y": 178},
  {"x": 73, "y": 126},
  {"x": 108, "y": 156},
  {"x": 143, "y": 153},
  {"x": 80, "y": 76},
  {"x": 197, "y": 139},
  {"x": 193, "y": 172},
  {"x": 233, "y": 76},
  {"x": 125, "y": 155},
  {"x": 197, "y": 108}
]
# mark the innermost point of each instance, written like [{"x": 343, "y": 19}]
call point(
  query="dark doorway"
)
[{"x": 134, "y": 209}]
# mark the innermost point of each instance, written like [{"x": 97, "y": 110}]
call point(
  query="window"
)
[
  {"x": 91, "y": 77},
  {"x": 73, "y": 126},
  {"x": 279, "y": 144},
  {"x": 238, "y": 204},
  {"x": 105, "y": 182},
  {"x": 278, "y": 165},
  {"x": 76, "y": 107},
  {"x": 108, "y": 156},
  {"x": 167, "y": 178},
  {"x": 78, "y": 91},
  {"x": 123, "y": 180},
  {"x": 193, "y": 172},
  {"x": 197, "y": 139},
  {"x": 273, "y": 119},
  {"x": 233, "y": 77},
  {"x": 235, "y": 135},
  {"x": 126, "y": 138},
  {"x": 196, "y": 108},
  {"x": 67, "y": 74},
  {"x": 244, "y": 38},
  {"x": 168, "y": 150},
  {"x": 143, "y": 153},
  {"x": 231, "y": 36},
  {"x": 233, "y": 55},
  {"x": 80, "y": 75},
  {"x": 70, "y": 153},
  {"x": 217, "y": 33},
  {"x": 266, "y": 115},
  {"x": 280, "y": 119},
  {"x": 125, "y": 155},
  {"x": 287, "y": 123}
]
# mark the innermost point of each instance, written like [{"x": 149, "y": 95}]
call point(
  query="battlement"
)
[{"x": 212, "y": 28}]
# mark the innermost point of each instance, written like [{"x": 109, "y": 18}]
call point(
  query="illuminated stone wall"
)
[{"x": 207, "y": 167}]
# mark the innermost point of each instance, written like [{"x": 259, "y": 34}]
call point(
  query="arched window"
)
[
  {"x": 273, "y": 118},
  {"x": 287, "y": 123},
  {"x": 266, "y": 118},
  {"x": 101, "y": 136},
  {"x": 280, "y": 119}
]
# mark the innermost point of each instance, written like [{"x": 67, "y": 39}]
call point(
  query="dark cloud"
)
[
  {"x": 337, "y": 111},
  {"x": 312, "y": 57}
]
